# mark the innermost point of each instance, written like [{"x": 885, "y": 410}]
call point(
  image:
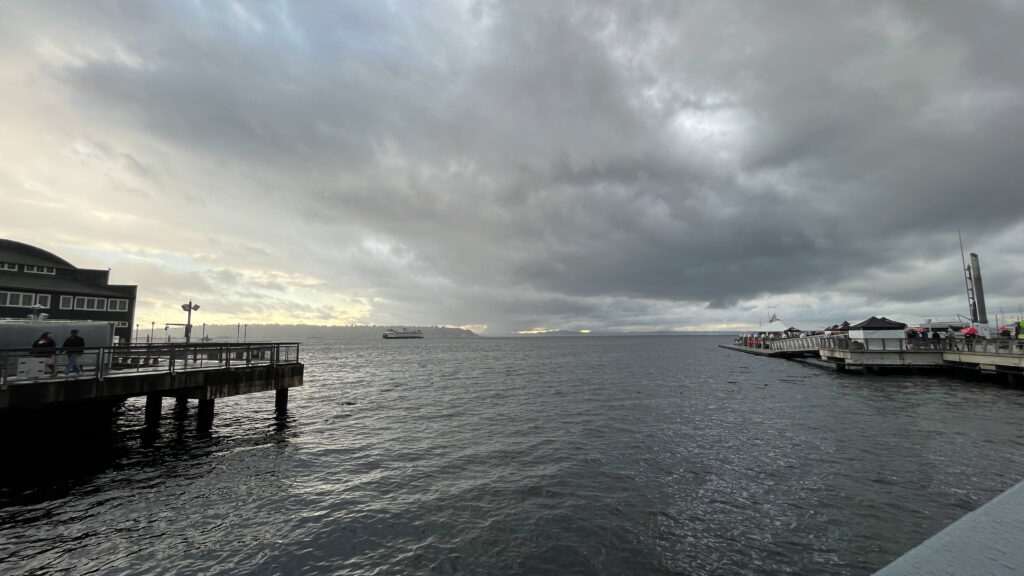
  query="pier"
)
[
  {"x": 1002, "y": 356},
  {"x": 204, "y": 372}
]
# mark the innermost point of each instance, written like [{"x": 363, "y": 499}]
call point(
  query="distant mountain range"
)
[
  {"x": 615, "y": 333},
  {"x": 300, "y": 332}
]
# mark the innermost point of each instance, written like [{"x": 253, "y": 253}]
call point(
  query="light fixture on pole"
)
[{"x": 188, "y": 323}]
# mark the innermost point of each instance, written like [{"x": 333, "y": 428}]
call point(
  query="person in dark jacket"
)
[
  {"x": 44, "y": 347},
  {"x": 73, "y": 347}
]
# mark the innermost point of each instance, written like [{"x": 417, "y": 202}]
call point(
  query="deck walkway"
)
[
  {"x": 992, "y": 356},
  {"x": 203, "y": 372}
]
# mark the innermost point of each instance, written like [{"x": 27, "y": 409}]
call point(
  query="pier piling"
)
[
  {"x": 205, "y": 413},
  {"x": 281, "y": 400},
  {"x": 153, "y": 405}
]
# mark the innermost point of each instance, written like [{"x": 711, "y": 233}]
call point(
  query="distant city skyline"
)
[{"x": 525, "y": 166}]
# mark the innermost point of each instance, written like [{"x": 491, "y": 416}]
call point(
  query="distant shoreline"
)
[{"x": 253, "y": 332}]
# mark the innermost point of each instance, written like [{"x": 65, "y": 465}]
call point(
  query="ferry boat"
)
[{"x": 392, "y": 334}]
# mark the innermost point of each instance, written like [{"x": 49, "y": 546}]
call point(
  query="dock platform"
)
[
  {"x": 204, "y": 372},
  {"x": 997, "y": 356},
  {"x": 809, "y": 353}
]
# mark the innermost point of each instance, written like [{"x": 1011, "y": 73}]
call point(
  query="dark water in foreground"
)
[{"x": 633, "y": 455}]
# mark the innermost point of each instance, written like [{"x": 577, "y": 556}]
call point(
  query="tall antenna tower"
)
[
  {"x": 975, "y": 291},
  {"x": 972, "y": 305}
]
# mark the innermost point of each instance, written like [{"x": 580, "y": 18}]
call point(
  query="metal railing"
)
[
  {"x": 844, "y": 342},
  {"x": 27, "y": 364},
  {"x": 1001, "y": 345},
  {"x": 797, "y": 344}
]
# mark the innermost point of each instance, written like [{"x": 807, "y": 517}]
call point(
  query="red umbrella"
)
[{"x": 969, "y": 330}]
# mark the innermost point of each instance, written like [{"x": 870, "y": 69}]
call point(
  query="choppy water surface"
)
[{"x": 631, "y": 455}]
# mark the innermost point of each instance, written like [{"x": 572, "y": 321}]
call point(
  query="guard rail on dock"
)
[
  {"x": 27, "y": 364},
  {"x": 111, "y": 374},
  {"x": 799, "y": 344}
]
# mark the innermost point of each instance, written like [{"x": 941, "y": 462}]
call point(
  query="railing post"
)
[{"x": 170, "y": 360}]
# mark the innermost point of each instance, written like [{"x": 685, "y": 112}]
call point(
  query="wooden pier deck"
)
[
  {"x": 810, "y": 353},
  {"x": 1001, "y": 356},
  {"x": 204, "y": 372}
]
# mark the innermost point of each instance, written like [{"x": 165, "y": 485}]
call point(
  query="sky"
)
[{"x": 522, "y": 166}]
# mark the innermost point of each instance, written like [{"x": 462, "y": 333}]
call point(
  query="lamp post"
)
[{"x": 188, "y": 323}]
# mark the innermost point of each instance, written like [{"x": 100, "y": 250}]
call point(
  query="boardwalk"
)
[
  {"x": 985, "y": 356},
  {"x": 203, "y": 372}
]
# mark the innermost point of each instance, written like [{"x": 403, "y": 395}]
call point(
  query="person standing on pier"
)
[
  {"x": 44, "y": 346},
  {"x": 74, "y": 346}
]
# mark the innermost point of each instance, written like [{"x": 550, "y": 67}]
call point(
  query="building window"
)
[
  {"x": 66, "y": 302},
  {"x": 17, "y": 299},
  {"x": 88, "y": 303},
  {"x": 43, "y": 300},
  {"x": 39, "y": 269},
  {"x": 8, "y": 266},
  {"x": 117, "y": 305}
]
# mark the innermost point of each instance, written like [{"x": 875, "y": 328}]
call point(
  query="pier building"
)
[{"x": 37, "y": 283}]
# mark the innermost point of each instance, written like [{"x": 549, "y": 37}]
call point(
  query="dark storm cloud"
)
[{"x": 585, "y": 163}]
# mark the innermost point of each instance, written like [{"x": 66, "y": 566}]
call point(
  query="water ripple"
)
[{"x": 655, "y": 455}]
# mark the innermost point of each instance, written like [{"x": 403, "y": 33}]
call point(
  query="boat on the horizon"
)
[{"x": 393, "y": 334}]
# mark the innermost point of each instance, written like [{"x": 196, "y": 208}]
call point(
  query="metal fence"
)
[
  {"x": 26, "y": 364},
  {"x": 1002, "y": 345},
  {"x": 844, "y": 342},
  {"x": 802, "y": 343}
]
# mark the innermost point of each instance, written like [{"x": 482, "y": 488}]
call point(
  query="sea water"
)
[{"x": 556, "y": 455}]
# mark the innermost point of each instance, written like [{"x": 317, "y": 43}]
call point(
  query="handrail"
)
[
  {"x": 28, "y": 364},
  {"x": 1001, "y": 345}
]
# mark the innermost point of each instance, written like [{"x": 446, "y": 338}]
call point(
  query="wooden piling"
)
[
  {"x": 281, "y": 400},
  {"x": 205, "y": 413},
  {"x": 153, "y": 405}
]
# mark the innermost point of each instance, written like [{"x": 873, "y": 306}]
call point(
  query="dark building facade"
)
[{"x": 36, "y": 282}]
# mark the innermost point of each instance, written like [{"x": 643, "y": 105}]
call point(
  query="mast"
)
[
  {"x": 979, "y": 291},
  {"x": 972, "y": 307}
]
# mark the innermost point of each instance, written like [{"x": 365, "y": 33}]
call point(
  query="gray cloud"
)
[{"x": 558, "y": 165}]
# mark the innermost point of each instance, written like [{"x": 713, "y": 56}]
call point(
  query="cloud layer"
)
[{"x": 569, "y": 165}]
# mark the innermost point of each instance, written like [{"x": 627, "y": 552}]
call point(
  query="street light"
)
[{"x": 188, "y": 323}]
